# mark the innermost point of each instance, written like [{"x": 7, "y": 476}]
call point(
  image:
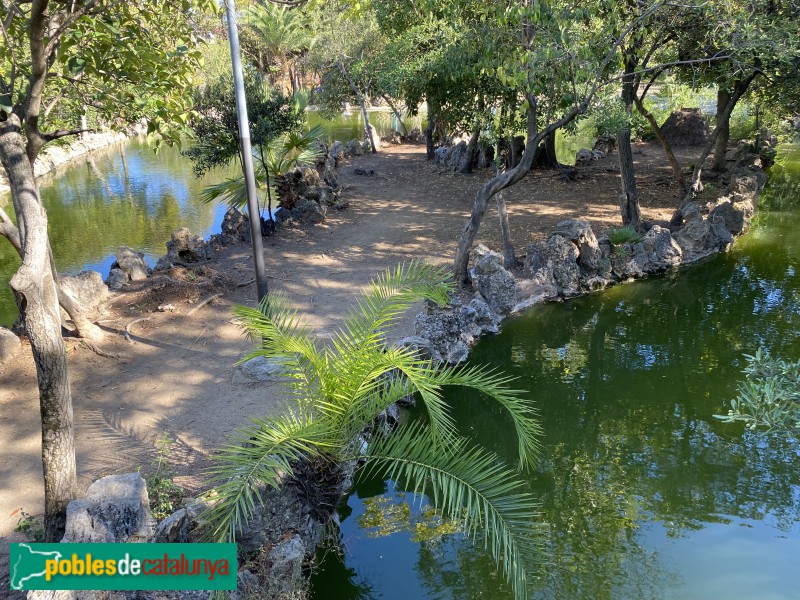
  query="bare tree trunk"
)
[
  {"x": 404, "y": 129},
  {"x": 629, "y": 197},
  {"x": 677, "y": 171},
  {"x": 37, "y": 298},
  {"x": 84, "y": 328},
  {"x": 465, "y": 167},
  {"x": 739, "y": 89},
  {"x": 721, "y": 145},
  {"x": 509, "y": 257},
  {"x": 430, "y": 149},
  {"x": 501, "y": 181},
  {"x": 362, "y": 102}
]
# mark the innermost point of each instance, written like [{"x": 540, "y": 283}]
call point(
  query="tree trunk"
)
[
  {"x": 509, "y": 257},
  {"x": 465, "y": 168},
  {"x": 37, "y": 297},
  {"x": 362, "y": 102},
  {"x": 724, "y": 125},
  {"x": 629, "y": 198},
  {"x": 677, "y": 171},
  {"x": 501, "y": 181},
  {"x": 398, "y": 116},
  {"x": 430, "y": 148},
  {"x": 550, "y": 151},
  {"x": 739, "y": 89}
]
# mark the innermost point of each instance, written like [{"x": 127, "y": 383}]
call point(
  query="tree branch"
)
[{"x": 54, "y": 135}]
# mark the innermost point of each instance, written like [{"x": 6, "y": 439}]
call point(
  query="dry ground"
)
[{"x": 177, "y": 373}]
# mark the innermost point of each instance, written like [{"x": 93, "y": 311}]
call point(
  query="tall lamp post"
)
[{"x": 247, "y": 153}]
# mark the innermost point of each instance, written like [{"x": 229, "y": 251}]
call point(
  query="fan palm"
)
[
  {"x": 272, "y": 161},
  {"x": 340, "y": 388}
]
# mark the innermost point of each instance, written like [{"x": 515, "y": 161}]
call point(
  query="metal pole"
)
[{"x": 247, "y": 153}]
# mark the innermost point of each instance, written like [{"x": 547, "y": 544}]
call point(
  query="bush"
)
[
  {"x": 623, "y": 235},
  {"x": 769, "y": 396}
]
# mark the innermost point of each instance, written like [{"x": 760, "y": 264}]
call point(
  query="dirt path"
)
[{"x": 178, "y": 376}]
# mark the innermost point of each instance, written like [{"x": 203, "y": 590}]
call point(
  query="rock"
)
[
  {"x": 735, "y": 215},
  {"x": 456, "y": 155},
  {"x": 485, "y": 156},
  {"x": 178, "y": 527},
  {"x": 116, "y": 279},
  {"x": 493, "y": 281},
  {"x": 236, "y": 225},
  {"x": 354, "y": 148},
  {"x": 563, "y": 260},
  {"x": 440, "y": 155},
  {"x": 363, "y": 172},
  {"x": 309, "y": 211},
  {"x": 375, "y": 137},
  {"x": 486, "y": 320},
  {"x": 458, "y": 353},
  {"x": 321, "y": 194},
  {"x": 584, "y": 156},
  {"x": 336, "y": 152},
  {"x": 286, "y": 570},
  {"x": 747, "y": 183},
  {"x": 9, "y": 345},
  {"x": 330, "y": 178},
  {"x": 115, "y": 509},
  {"x": 720, "y": 231},
  {"x": 696, "y": 240},
  {"x": 419, "y": 345},
  {"x": 282, "y": 215},
  {"x": 261, "y": 369},
  {"x": 187, "y": 248},
  {"x": 580, "y": 233},
  {"x": 530, "y": 292},
  {"x": 660, "y": 249},
  {"x": 86, "y": 288},
  {"x": 131, "y": 263}
]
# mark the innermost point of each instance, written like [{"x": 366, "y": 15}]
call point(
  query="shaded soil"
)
[{"x": 175, "y": 373}]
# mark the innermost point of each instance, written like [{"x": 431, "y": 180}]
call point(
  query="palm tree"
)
[
  {"x": 341, "y": 387},
  {"x": 273, "y": 160},
  {"x": 280, "y": 35}
]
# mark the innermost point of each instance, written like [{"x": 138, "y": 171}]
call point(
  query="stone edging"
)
[
  {"x": 573, "y": 262},
  {"x": 55, "y": 156}
]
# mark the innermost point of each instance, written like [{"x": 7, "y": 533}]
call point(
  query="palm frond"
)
[
  {"x": 261, "y": 456},
  {"x": 389, "y": 296},
  {"x": 278, "y": 332},
  {"x": 471, "y": 487},
  {"x": 496, "y": 387}
]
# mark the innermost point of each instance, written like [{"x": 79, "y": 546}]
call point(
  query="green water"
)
[
  {"x": 643, "y": 493},
  {"x": 125, "y": 195}
]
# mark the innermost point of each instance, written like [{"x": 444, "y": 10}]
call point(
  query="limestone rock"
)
[
  {"x": 286, "y": 571},
  {"x": 236, "y": 226},
  {"x": 9, "y": 344},
  {"x": 187, "y": 247},
  {"x": 309, "y": 211},
  {"x": 178, "y": 527},
  {"x": 735, "y": 215},
  {"x": 336, "y": 152},
  {"x": 493, "y": 281},
  {"x": 580, "y": 233},
  {"x": 116, "y": 279},
  {"x": 354, "y": 148},
  {"x": 86, "y": 288},
  {"x": 260, "y": 369},
  {"x": 131, "y": 263},
  {"x": 660, "y": 249},
  {"x": 115, "y": 509},
  {"x": 419, "y": 345},
  {"x": 747, "y": 182},
  {"x": 375, "y": 137}
]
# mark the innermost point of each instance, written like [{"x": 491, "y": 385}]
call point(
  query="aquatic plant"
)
[{"x": 770, "y": 394}]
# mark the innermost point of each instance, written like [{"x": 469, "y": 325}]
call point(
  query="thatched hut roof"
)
[{"x": 686, "y": 127}]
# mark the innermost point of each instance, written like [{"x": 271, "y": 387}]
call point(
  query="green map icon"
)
[{"x": 29, "y": 564}]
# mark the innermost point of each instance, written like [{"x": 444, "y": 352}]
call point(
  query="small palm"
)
[{"x": 341, "y": 387}]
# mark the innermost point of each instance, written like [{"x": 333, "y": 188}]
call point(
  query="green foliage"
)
[
  {"x": 623, "y": 235},
  {"x": 338, "y": 389},
  {"x": 215, "y": 126},
  {"x": 29, "y": 526},
  {"x": 272, "y": 161},
  {"x": 770, "y": 394},
  {"x": 165, "y": 496},
  {"x": 126, "y": 60}
]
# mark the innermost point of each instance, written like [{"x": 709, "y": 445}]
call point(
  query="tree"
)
[
  {"x": 126, "y": 60},
  {"x": 275, "y": 37},
  {"x": 341, "y": 388}
]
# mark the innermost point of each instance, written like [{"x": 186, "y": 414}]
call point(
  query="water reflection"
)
[
  {"x": 643, "y": 493},
  {"x": 122, "y": 196}
]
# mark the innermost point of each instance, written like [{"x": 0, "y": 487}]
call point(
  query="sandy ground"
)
[{"x": 178, "y": 374}]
